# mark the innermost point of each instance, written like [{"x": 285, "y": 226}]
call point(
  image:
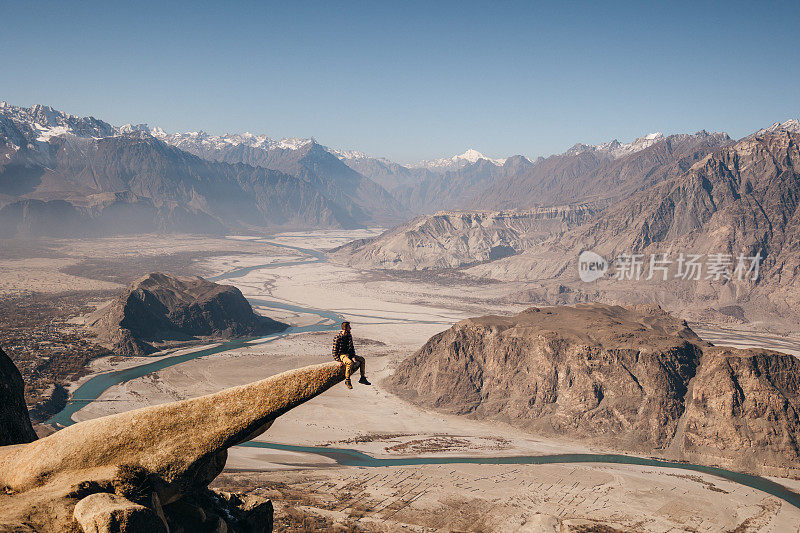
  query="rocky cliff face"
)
[
  {"x": 587, "y": 371},
  {"x": 744, "y": 409},
  {"x": 159, "y": 309},
  {"x": 634, "y": 379},
  {"x": 15, "y": 424}
]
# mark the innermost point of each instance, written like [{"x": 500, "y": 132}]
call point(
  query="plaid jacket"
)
[{"x": 343, "y": 344}]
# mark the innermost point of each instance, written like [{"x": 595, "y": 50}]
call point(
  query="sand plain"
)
[{"x": 392, "y": 316}]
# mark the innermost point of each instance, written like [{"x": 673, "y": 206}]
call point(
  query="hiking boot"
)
[
  {"x": 364, "y": 381},
  {"x": 348, "y": 384}
]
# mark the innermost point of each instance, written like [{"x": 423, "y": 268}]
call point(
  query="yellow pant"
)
[{"x": 348, "y": 364}]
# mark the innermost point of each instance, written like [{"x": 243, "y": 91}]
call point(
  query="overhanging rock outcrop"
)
[{"x": 156, "y": 461}]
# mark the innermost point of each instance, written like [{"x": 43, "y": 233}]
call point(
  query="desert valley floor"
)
[{"x": 286, "y": 278}]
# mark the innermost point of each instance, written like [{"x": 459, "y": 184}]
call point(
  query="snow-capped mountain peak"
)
[
  {"x": 616, "y": 149},
  {"x": 131, "y": 128},
  {"x": 637, "y": 145},
  {"x": 470, "y": 155},
  {"x": 792, "y": 125},
  {"x": 23, "y": 126},
  {"x": 204, "y": 140},
  {"x": 347, "y": 155},
  {"x": 457, "y": 161}
]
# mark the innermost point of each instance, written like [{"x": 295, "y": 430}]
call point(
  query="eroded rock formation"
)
[
  {"x": 151, "y": 465},
  {"x": 629, "y": 378},
  {"x": 590, "y": 370},
  {"x": 15, "y": 424},
  {"x": 455, "y": 239},
  {"x": 160, "y": 309},
  {"x": 744, "y": 408}
]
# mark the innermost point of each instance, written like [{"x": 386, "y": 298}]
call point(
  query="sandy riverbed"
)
[{"x": 392, "y": 318}]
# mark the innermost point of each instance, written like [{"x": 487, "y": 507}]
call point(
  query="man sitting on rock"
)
[{"x": 345, "y": 353}]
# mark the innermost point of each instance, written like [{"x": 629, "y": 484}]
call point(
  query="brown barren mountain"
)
[
  {"x": 742, "y": 199},
  {"x": 453, "y": 239},
  {"x": 160, "y": 310},
  {"x": 626, "y": 378}
]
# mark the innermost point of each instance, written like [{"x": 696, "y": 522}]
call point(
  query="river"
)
[{"x": 92, "y": 389}]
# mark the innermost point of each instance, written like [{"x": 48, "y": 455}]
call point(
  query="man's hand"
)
[{"x": 341, "y": 363}]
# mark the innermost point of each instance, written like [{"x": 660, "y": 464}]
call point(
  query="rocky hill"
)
[
  {"x": 15, "y": 424},
  {"x": 628, "y": 378},
  {"x": 159, "y": 310},
  {"x": 457, "y": 239}
]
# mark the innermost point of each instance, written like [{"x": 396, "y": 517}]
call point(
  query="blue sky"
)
[{"x": 411, "y": 80}]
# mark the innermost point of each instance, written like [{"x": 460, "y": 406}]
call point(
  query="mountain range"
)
[
  {"x": 62, "y": 175},
  {"x": 703, "y": 195},
  {"x": 66, "y": 175}
]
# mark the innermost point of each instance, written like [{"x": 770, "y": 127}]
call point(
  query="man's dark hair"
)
[{"x": 345, "y": 324}]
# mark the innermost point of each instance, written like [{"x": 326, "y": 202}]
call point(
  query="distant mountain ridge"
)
[
  {"x": 131, "y": 183},
  {"x": 64, "y": 175},
  {"x": 474, "y": 181},
  {"x": 362, "y": 199},
  {"x": 459, "y": 239},
  {"x": 598, "y": 173},
  {"x": 83, "y": 171}
]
